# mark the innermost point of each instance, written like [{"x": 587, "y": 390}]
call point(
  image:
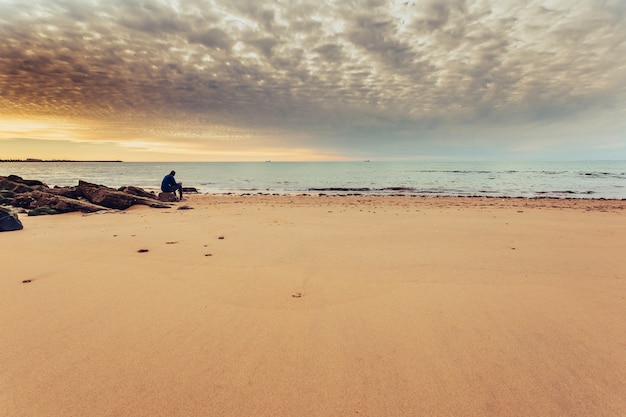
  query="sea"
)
[{"x": 570, "y": 179}]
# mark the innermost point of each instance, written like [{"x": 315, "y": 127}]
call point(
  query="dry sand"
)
[{"x": 317, "y": 306}]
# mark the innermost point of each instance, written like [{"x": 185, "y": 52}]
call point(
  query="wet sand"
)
[{"x": 317, "y": 306}]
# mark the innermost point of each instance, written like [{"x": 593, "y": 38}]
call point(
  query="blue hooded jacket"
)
[{"x": 169, "y": 183}]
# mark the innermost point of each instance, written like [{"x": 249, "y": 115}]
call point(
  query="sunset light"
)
[{"x": 311, "y": 79}]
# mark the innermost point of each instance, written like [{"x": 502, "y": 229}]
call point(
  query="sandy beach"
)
[{"x": 317, "y": 306}]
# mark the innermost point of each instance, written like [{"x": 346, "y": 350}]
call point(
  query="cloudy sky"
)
[{"x": 211, "y": 80}]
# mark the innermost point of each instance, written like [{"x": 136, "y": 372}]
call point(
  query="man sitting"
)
[{"x": 169, "y": 184}]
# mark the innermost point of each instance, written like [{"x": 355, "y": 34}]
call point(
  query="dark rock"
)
[
  {"x": 41, "y": 211},
  {"x": 7, "y": 184},
  {"x": 6, "y": 197},
  {"x": 69, "y": 192},
  {"x": 61, "y": 204},
  {"x": 20, "y": 180},
  {"x": 9, "y": 222},
  {"x": 31, "y": 194},
  {"x": 191, "y": 190},
  {"x": 130, "y": 189},
  {"x": 167, "y": 197},
  {"x": 110, "y": 198},
  {"x": 104, "y": 196}
]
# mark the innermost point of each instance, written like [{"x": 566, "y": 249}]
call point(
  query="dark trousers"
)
[{"x": 172, "y": 189}]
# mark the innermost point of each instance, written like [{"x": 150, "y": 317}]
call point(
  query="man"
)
[{"x": 169, "y": 184}]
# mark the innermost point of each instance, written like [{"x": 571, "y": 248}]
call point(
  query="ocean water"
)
[{"x": 584, "y": 179}]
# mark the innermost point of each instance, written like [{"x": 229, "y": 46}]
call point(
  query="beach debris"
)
[
  {"x": 208, "y": 254},
  {"x": 221, "y": 238},
  {"x": 296, "y": 295},
  {"x": 171, "y": 243},
  {"x": 26, "y": 281},
  {"x": 143, "y": 250}
]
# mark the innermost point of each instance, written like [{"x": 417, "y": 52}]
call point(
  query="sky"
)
[{"x": 255, "y": 80}]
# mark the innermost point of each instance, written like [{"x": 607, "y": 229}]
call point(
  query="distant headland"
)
[{"x": 53, "y": 160}]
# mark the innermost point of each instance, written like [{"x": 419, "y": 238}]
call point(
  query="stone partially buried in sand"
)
[
  {"x": 167, "y": 197},
  {"x": 9, "y": 222}
]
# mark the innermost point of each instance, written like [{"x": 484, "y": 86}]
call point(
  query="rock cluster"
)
[{"x": 38, "y": 198}]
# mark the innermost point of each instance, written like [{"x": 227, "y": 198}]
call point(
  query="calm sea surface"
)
[{"x": 588, "y": 179}]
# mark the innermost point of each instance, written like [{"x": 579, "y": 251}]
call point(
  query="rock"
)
[
  {"x": 6, "y": 197},
  {"x": 69, "y": 192},
  {"x": 104, "y": 196},
  {"x": 30, "y": 183},
  {"x": 41, "y": 211},
  {"x": 129, "y": 189},
  {"x": 8, "y": 184},
  {"x": 167, "y": 197},
  {"x": 31, "y": 194},
  {"x": 9, "y": 222},
  {"x": 191, "y": 190},
  {"x": 110, "y": 198},
  {"x": 61, "y": 204}
]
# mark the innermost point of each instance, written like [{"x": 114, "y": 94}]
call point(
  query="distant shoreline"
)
[{"x": 54, "y": 160}]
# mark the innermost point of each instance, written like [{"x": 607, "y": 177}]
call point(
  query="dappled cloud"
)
[{"x": 336, "y": 75}]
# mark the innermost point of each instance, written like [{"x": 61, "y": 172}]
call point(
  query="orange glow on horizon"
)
[{"x": 49, "y": 138}]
